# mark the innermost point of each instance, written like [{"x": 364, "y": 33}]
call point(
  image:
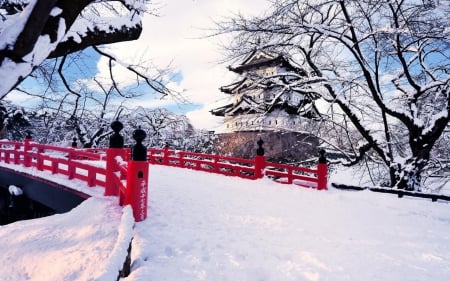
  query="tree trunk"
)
[{"x": 408, "y": 175}]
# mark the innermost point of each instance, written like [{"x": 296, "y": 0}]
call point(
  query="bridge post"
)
[
  {"x": 74, "y": 143},
  {"x": 166, "y": 155},
  {"x": 16, "y": 154},
  {"x": 216, "y": 163},
  {"x": 137, "y": 177},
  {"x": 70, "y": 158},
  {"x": 70, "y": 166},
  {"x": 260, "y": 160},
  {"x": 26, "y": 147},
  {"x": 322, "y": 171},
  {"x": 115, "y": 149},
  {"x": 39, "y": 159}
]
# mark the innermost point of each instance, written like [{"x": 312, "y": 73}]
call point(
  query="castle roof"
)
[
  {"x": 260, "y": 58},
  {"x": 220, "y": 111},
  {"x": 234, "y": 87},
  {"x": 245, "y": 104}
]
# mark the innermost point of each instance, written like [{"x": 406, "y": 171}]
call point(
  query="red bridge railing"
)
[
  {"x": 244, "y": 168},
  {"x": 122, "y": 176},
  {"x": 71, "y": 162}
]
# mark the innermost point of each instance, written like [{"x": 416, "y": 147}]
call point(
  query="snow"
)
[
  {"x": 203, "y": 226},
  {"x": 210, "y": 228},
  {"x": 14, "y": 190},
  {"x": 82, "y": 244}
]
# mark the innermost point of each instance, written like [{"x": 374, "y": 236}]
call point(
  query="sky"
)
[{"x": 175, "y": 37}]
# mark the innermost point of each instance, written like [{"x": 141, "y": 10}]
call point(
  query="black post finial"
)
[
  {"x": 74, "y": 142},
  {"x": 260, "y": 150},
  {"x": 322, "y": 158},
  {"x": 139, "y": 151},
  {"x": 116, "y": 140}
]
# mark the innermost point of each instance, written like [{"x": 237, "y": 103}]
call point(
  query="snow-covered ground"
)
[
  {"x": 86, "y": 243},
  {"x": 203, "y": 226}
]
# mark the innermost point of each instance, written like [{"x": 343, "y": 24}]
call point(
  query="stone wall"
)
[{"x": 286, "y": 146}]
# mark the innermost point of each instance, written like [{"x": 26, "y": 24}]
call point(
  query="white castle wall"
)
[{"x": 274, "y": 121}]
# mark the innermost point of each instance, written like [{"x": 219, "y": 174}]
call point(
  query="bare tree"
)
[
  {"x": 384, "y": 64},
  {"x": 32, "y": 32}
]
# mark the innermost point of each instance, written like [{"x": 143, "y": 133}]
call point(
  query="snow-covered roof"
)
[
  {"x": 234, "y": 87},
  {"x": 245, "y": 104},
  {"x": 220, "y": 111},
  {"x": 260, "y": 58}
]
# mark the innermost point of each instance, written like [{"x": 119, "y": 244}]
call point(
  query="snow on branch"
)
[{"x": 32, "y": 31}]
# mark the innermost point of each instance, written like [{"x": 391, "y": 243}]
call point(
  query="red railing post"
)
[
  {"x": 216, "y": 163},
  {"x": 322, "y": 171},
  {"x": 260, "y": 160},
  {"x": 16, "y": 154},
  {"x": 54, "y": 166},
  {"x": 260, "y": 165},
  {"x": 290, "y": 175},
  {"x": 181, "y": 159},
  {"x": 115, "y": 149},
  {"x": 166, "y": 155},
  {"x": 40, "y": 160},
  {"x": 26, "y": 148},
  {"x": 111, "y": 189},
  {"x": 91, "y": 177},
  {"x": 137, "y": 178},
  {"x": 70, "y": 165},
  {"x": 7, "y": 155}
]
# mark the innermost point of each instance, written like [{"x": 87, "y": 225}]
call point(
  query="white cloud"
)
[
  {"x": 174, "y": 38},
  {"x": 202, "y": 119},
  {"x": 20, "y": 98}
]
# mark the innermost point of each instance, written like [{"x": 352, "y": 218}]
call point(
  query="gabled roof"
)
[
  {"x": 260, "y": 58},
  {"x": 234, "y": 87},
  {"x": 244, "y": 104},
  {"x": 229, "y": 89},
  {"x": 220, "y": 111}
]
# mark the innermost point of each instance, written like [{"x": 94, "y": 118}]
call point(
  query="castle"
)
[{"x": 269, "y": 101}]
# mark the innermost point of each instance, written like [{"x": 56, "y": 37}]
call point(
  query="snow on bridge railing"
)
[
  {"x": 68, "y": 161},
  {"x": 296, "y": 175},
  {"x": 230, "y": 166},
  {"x": 244, "y": 168}
]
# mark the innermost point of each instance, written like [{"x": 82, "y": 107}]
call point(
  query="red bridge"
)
[{"x": 123, "y": 172}]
